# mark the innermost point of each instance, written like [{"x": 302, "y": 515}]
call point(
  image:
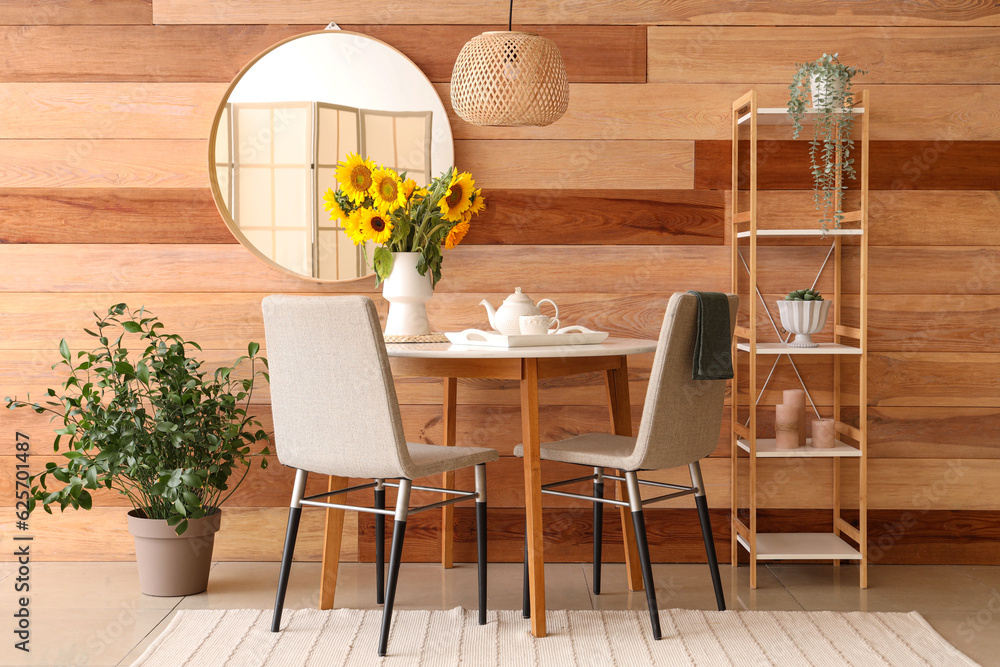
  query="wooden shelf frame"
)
[{"x": 849, "y": 345}]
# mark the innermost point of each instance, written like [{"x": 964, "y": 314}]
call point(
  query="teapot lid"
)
[{"x": 518, "y": 297}]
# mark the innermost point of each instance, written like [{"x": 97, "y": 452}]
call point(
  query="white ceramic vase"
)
[
  {"x": 822, "y": 90},
  {"x": 803, "y": 318},
  {"x": 407, "y": 293}
]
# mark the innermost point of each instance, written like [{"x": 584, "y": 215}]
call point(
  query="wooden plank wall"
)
[{"x": 105, "y": 109}]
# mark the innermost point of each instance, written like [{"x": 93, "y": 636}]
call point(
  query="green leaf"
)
[
  {"x": 253, "y": 348},
  {"x": 132, "y": 327},
  {"x": 142, "y": 372},
  {"x": 64, "y": 349}
]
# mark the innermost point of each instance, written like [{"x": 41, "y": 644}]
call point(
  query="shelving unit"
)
[{"x": 760, "y": 341}]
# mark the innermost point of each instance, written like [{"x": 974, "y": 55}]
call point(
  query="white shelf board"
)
[
  {"x": 801, "y": 232},
  {"x": 779, "y": 116},
  {"x": 801, "y": 546},
  {"x": 784, "y": 348},
  {"x": 766, "y": 449}
]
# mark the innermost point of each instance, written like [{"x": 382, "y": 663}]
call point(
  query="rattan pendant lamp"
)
[{"x": 509, "y": 78}]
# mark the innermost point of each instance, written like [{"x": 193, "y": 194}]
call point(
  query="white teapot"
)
[{"x": 506, "y": 318}]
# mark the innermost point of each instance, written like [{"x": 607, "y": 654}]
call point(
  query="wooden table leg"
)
[
  {"x": 448, "y": 481},
  {"x": 333, "y": 535},
  {"x": 533, "y": 493},
  {"x": 621, "y": 419}
]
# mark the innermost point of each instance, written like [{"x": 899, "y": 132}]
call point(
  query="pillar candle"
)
[
  {"x": 824, "y": 433},
  {"x": 797, "y": 397},
  {"x": 786, "y": 426}
]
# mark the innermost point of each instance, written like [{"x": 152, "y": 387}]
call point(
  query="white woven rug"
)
[{"x": 349, "y": 637}]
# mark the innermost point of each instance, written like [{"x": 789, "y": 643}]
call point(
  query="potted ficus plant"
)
[
  {"x": 829, "y": 83},
  {"x": 803, "y": 313},
  {"x": 151, "y": 424}
]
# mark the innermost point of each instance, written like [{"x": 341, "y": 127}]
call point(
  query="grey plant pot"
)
[{"x": 171, "y": 565}]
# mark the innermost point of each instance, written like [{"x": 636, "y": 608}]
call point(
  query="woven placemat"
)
[{"x": 436, "y": 337}]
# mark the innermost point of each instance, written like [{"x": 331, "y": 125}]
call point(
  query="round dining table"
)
[{"x": 527, "y": 365}]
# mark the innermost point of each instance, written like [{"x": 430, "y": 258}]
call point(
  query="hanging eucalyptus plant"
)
[{"x": 830, "y": 84}]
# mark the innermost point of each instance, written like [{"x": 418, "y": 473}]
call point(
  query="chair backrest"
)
[
  {"x": 332, "y": 397},
  {"x": 681, "y": 417}
]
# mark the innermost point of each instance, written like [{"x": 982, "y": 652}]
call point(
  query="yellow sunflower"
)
[
  {"x": 355, "y": 177},
  {"x": 456, "y": 234},
  {"x": 375, "y": 226},
  {"x": 387, "y": 190},
  {"x": 458, "y": 198},
  {"x": 478, "y": 203},
  {"x": 331, "y": 205},
  {"x": 352, "y": 227},
  {"x": 409, "y": 185}
]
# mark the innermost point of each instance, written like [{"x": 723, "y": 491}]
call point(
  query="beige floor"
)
[{"x": 93, "y": 614}]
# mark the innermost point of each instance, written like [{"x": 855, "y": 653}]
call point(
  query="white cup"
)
[{"x": 537, "y": 325}]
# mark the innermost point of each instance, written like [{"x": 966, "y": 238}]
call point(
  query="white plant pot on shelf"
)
[
  {"x": 407, "y": 293},
  {"x": 822, "y": 91},
  {"x": 803, "y": 318}
]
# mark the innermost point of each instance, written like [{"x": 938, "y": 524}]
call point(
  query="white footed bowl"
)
[{"x": 803, "y": 318}]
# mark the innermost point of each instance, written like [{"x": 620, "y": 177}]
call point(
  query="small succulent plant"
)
[{"x": 804, "y": 295}]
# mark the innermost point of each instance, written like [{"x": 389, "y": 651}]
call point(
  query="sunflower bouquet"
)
[{"x": 376, "y": 206}]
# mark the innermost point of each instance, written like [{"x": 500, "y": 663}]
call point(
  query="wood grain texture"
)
[
  {"x": 216, "y": 53},
  {"x": 895, "y": 165},
  {"x": 600, "y": 217},
  {"x": 75, "y": 12},
  {"x": 934, "y": 378},
  {"x": 899, "y": 217},
  {"x": 726, "y": 54},
  {"x": 247, "y": 534},
  {"x": 103, "y": 163},
  {"x": 930, "y": 432},
  {"x": 227, "y": 321},
  {"x": 712, "y": 15},
  {"x": 938, "y": 536},
  {"x": 576, "y": 165},
  {"x": 111, "y": 215},
  {"x": 467, "y": 269},
  {"x": 320, "y": 11},
  {"x": 690, "y": 12},
  {"x": 638, "y": 111},
  {"x": 512, "y": 217},
  {"x": 108, "y": 110},
  {"x": 665, "y": 111}
]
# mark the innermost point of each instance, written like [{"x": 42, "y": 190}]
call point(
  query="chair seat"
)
[
  {"x": 601, "y": 450},
  {"x": 434, "y": 459}
]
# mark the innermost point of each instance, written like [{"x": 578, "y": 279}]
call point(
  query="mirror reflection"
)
[{"x": 296, "y": 112}]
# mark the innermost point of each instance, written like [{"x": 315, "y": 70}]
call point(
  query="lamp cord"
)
[{"x": 510, "y": 17}]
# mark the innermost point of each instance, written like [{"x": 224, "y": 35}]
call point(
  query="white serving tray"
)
[{"x": 574, "y": 335}]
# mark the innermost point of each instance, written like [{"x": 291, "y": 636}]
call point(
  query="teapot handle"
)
[{"x": 539, "y": 306}]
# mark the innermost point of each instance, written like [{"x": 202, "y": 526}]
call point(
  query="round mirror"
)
[{"x": 286, "y": 121}]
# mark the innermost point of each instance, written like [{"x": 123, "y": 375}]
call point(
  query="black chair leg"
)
[
  {"x": 380, "y": 545},
  {"x": 713, "y": 561},
  {"x": 481, "y": 558},
  {"x": 291, "y": 532},
  {"x": 706, "y": 532},
  {"x": 526, "y": 591},
  {"x": 642, "y": 545},
  {"x": 598, "y": 531},
  {"x": 395, "y": 556}
]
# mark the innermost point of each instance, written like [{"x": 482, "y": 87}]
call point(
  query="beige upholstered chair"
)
[
  {"x": 335, "y": 413},
  {"x": 680, "y": 426}
]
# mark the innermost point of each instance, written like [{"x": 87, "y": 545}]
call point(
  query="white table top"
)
[{"x": 611, "y": 347}]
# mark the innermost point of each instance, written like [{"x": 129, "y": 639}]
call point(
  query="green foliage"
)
[
  {"x": 153, "y": 426},
  {"x": 832, "y": 131},
  {"x": 804, "y": 295}
]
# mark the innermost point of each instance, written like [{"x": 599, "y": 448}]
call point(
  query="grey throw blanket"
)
[{"x": 713, "y": 354}]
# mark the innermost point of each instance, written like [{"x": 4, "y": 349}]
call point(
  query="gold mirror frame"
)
[{"x": 225, "y": 212}]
